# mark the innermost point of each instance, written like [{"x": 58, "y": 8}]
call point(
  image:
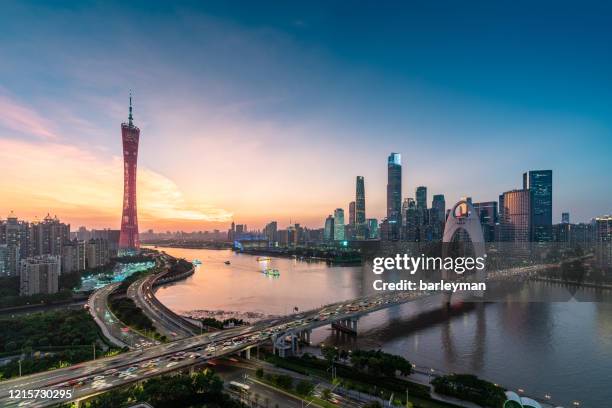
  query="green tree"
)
[
  {"x": 284, "y": 381},
  {"x": 330, "y": 353},
  {"x": 304, "y": 387}
]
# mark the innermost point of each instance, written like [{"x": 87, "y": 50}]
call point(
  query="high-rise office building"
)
[
  {"x": 422, "y": 220},
  {"x": 421, "y": 197},
  {"x": 565, "y": 218},
  {"x": 438, "y": 203},
  {"x": 539, "y": 184},
  {"x": 411, "y": 221},
  {"x": 360, "y": 209},
  {"x": 351, "y": 220},
  {"x": 130, "y": 134},
  {"x": 394, "y": 195},
  {"x": 339, "y": 224},
  {"x": 372, "y": 228},
  {"x": 516, "y": 221},
  {"x": 328, "y": 230},
  {"x": 39, "y": 274},
  {"x": 487, "y": 213}
]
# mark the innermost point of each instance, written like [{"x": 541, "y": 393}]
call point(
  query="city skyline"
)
[{"x": 213, "y": 129}]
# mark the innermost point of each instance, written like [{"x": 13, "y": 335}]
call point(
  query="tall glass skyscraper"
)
[
  {"x": 421, "y": 197},
  {"x": 516, "y": 221},
  {"x": 351, "y": 220},
  {"x": 539, "y": 184},
  {"x": 339, "y": 224},
  {"x": 360, "y": 215},
  {"x": 394, "y": 194},
  {"x": 439, "y": 205},
  {"x": 328, "y": 231}
]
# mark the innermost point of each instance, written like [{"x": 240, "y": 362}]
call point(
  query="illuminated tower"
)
[
  {"x": 130, "y": 134},
  {"x": 394, "y": 195},
  {"x": 360, "y": 215}
]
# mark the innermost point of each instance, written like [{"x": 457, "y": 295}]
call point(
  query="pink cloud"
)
[{"x": 22, "y": 119}]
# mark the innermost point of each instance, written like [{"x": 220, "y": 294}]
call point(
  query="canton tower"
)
[{"x": 130, "y": 134}]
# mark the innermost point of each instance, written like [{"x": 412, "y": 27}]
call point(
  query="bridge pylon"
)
[{"x": 348, "y": 326}]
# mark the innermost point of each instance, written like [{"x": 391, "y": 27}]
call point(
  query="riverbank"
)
[{"x": 333, "y": 256}]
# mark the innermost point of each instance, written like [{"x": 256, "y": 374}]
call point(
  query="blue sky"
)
[{"x": 255, "y": 110}]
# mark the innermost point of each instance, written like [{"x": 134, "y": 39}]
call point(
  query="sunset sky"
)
[{"x": 259, "y": 111}]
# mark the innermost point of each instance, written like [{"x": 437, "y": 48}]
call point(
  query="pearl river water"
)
[{"x": 560, "y": 349}]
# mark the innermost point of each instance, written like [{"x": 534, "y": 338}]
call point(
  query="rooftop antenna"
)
[{"x": 130, "y": 118}]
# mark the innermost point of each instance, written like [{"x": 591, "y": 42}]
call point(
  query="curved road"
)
[{"x": 168, "y": 325}]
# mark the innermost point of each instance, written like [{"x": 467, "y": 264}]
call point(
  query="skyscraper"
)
[
  {"x": 339, "y": 224},
  {"x": 372, "y": 228},
  {"x": 565, "y": 218},
  {"x": 438, "y": 203},
  {"x": 411, "y": 221},
  {"x": 328, "y": 231},
  {"x": 360, "y": 214},
  {"x": 394, "y": 194},
  {"x": 516, "y": 222},
  {"x": 130, "y": 134},
  {"x": 539, "y": 184},
  {"x": 487, "y": 214},
  {"x": 351, "y": 219},
  {"x": 421, "y": 197}
]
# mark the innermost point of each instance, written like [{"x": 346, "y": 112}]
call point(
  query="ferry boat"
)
[
  {"x": 263, "y": 258},
  {"x": 271, "y": 272},
  {"x": 196, "y": 262}
]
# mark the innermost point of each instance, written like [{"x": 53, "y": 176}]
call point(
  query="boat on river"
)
[{"x": 271, "y": 272}]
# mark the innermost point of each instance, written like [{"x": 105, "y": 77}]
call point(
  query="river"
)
[{"x": 563, "y": 349}]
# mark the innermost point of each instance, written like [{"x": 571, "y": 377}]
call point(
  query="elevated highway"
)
[{"x": 165, "y": 320}]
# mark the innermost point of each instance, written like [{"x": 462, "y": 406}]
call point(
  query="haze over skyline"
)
[{"x": 268, "y": 111}]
